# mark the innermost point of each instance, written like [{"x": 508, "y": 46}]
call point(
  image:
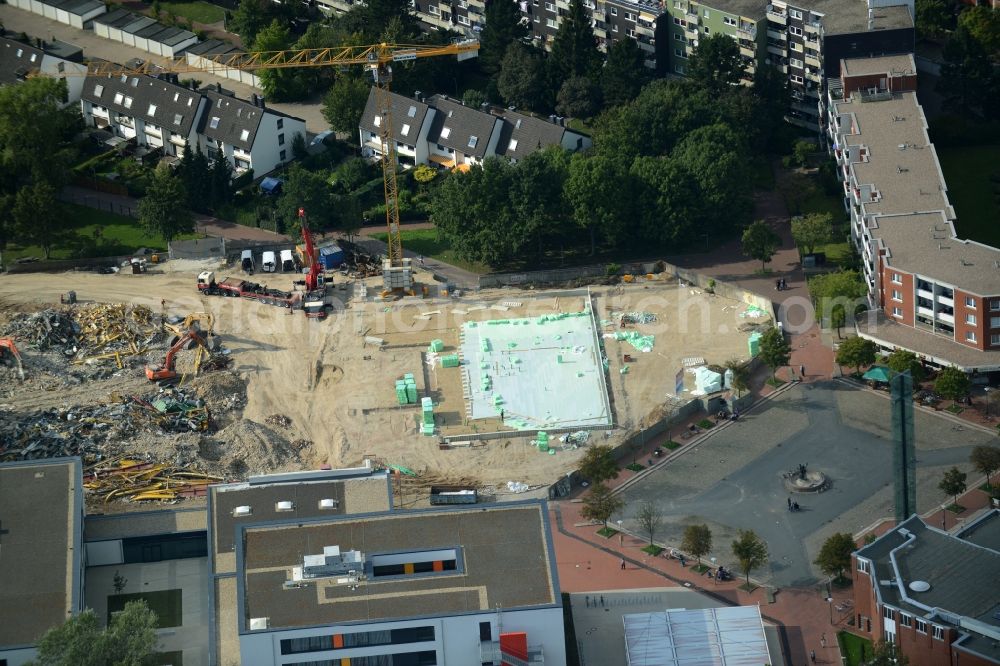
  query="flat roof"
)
[
  {"x": 896, "y": 64},
  {"x": 937, "y": 348},
  {"x": 144, "y": 523},
  {"x": 731, "y": 636},
  {"x": 850, "y": 16},
  {"x": 40, "y": 514},
  {"x": 954, "y": 569},
  {"x": 984, "y": 531},
  {"x": 503, "y": 560},
  {"x": 750, "y": 9},
  {"x": 925, "y": 244}
]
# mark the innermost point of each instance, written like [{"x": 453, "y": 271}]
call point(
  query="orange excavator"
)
[
  {"x": 191, "y": 339},
  {"x": 8, "y": 348}
]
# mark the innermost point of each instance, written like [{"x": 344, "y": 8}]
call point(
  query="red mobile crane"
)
[{"x": 314, "y": 304}]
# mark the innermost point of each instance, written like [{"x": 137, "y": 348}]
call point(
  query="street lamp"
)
[
  {"x": 829, "y": 600},
  {"x": 621, "y": 537}
]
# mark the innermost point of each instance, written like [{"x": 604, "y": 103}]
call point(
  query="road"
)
[{"x": 18, "y": 20}]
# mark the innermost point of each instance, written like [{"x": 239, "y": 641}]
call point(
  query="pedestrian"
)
[
  {"x": 501, "y": 416},
  {"x": 602, "y": 601},
  {"x": 812, "y": 656},
  {"x": 623, "y": 564},
  {"x": 822, "y": 641},
  {"x": 789, "y": 500},
  {"x": 802, "y": 371}
]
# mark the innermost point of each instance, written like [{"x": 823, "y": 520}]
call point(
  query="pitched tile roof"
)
[
  {"x": 407, "y": 116},
  {"x": 17, "y": 60},
  {"x": 156, "y": 101},
  {"x": 524, "y": 134},
  {"x": 460, "y": 127},
  {"x": 238, "y": 120}
]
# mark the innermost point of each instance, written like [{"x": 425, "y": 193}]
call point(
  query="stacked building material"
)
[
  {"x": 406, "y": 390},
  {"x": 436, "y": 346},
  {"x": 427, "y": 416},
  {"x": 450, "y": 361}
]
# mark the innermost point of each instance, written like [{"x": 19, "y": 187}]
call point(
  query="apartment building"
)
[
  {"x": 444, "y": 132},
  {"x": 931, "y": 593},
  {"x": 933, "y": 293},
  {"x": 742, "y": 20},
  {"x": 19, "y": 59},
  {"x": 158, "y": 112},
  {"x": 41, "y": 577}
]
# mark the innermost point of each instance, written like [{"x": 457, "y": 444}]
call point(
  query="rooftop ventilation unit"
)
[
  {"x": 328, "y": 504},
  {"x": 257, "y": 623},
  {"x": 919, "y": 586},
  {"x": 331, "y": 563},
  {"x": 284, "y": 505},
  {"x": 244, "y": 510}
]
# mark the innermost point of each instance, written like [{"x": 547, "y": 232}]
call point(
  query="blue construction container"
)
[{"x": 331, "y": 256}]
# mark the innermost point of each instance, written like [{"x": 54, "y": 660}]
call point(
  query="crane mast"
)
[{"x": 382, "y": 74}]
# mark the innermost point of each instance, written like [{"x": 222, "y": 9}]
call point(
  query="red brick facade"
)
[{"x": 897, "y": 295}]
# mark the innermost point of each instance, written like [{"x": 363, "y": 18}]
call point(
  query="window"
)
[
  {"x": 905, "y": 620},
  {"x": 678, "y": 4},
  {"x": 970, "y": 336},
  {"x": 218, "y": 103},
  {"x": 363, "y": 639},
  {"x": 549, "y": 7},
  {"x": 679, "y": 69},
  {"x": 152, "y": 110},
  {"x": 405, "y": 129},
  {"x": 679, "y": 21},
  {"x": 728, "y": 20},
  {"x": 411, "y": 112},
  {"x": 995, "y": 339},
  {"x": 99, "y": 90},
  {"x": 888, "y": 613},
  {"x": 970, "y": 319},
  {"x": 135, "y": 82},
  {"x": 281, "y": 139},
  {"x": 614, "y": 11},
  {"x": 970, "y": 302},
  {"x": 537, "y": 19},
  {"x": 795, "y": 46},
  {"x": 214, "y": 123},
  {"x": 995, "y": 306},
  {"x": 445, "y": 132},
  {"x": 680, "y": 53},
  {"x": 705, "y": 14},
  {"x": 473, "y": 140},
  {"x": 432, "y": 10},
  {"x": 707, "y": 31},
  {"x": 378, "y": 121},
  {"x": 630, "y": 32},
  {"x": 614, "y": 28},
  {"x": 244, "y": 135},
  {"x": 512, "y": 145},
  {"x": 897, "y": 295},
  {"x": 863, "y": 566},
  {"x": 119, "y": 98},
  {"x": 795, "y": 14},
  {"x": 795, "y": 31},
  {"x": 178, "y": 119},
  {"x": 128, "y": 102},
  {"x": 281, "y": 156},
  {"x": 897, "y": 312},
  {"x": 19, "y": 52},
  {"x": 796, "y": 78},
  {"x": 551, "y": 23},
  {"x": 939, "y": 633},
  {"x": 795, "y": 62},
  {"x": 897, "y": 278},
  {"x": 921, "y": 625},
  {"x": 994, "y": 322}
]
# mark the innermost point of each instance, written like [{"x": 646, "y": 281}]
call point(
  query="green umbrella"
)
[{"x": 878, "y": 373}]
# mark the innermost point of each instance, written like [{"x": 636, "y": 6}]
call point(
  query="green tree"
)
[
  {"x": 801, "y": 151},
  {"x": 857, "y": 352},
  {"x": 741, "y": 375},
  {"x": 750, "y": 551},
  {"x": 624, "y": 73},
  {"x": 502, "y": 28},
  {"x": 884, "y": 653},
  {"x": 250, "y": 18},
  {"x": 597, "y": 191},
  {"x": 598, "y": 464},
  {"x": 934, "y": 17},
  {"x": 578, "y": 97},
  {"x": 574, "y": 48},
  {"x": 836, "y": 294},
  {"x": 716, "y": 157},
  {"x": 474, "y": 98},
  {"x": 775, "y": 351},
  {"x": 812, "y": 230},
  {"x": 221, "y": 181},
  {"x": 36, "y": 134},
  {"x": 986, "y": 460},
  {"x": 195, "y": 173},
  {"x": 600, "y": 504},
  {"x": 521, "y": 80},
  {"x": 953, "y": 483},
  {"x": 536, "y": 198},
  {"x": 424, "y": 173},
  {"x": 952, "y": 383},
  {"x": 666, "y": 200},
  {"x": 299, "y": 150},
  {"x": 835, "y": 556},
  {"x": 38, "y": 217},
  {"x": 969, "y": 79},
  {"x": 129, "y": 639},
  {"x": 163, "y": 211},
  {"x": 391, "y": 21},
  {"x": 760, "y": 242},
  {"x": 280, "y": 85},
  {"x": 650, "y": 518},
  {"x": 983, "y": 24},
  {"x": 344, "y": 103},
  {"x": 697, "y": 541},
  {"x": 308, "y": 190},
  {"x": 902, "y": 360},
  {"x": 716, "y": 62}
]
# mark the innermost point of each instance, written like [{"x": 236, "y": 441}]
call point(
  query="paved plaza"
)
[{"x": 733, "y": 479}]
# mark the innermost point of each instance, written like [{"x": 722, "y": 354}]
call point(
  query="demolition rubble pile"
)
[{"x": 90, "y": 332}]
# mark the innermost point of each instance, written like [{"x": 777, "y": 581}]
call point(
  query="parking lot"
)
[{"x": 732, "y": 479}]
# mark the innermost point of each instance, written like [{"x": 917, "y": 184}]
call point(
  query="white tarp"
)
[{"x": 707, "y": 381}]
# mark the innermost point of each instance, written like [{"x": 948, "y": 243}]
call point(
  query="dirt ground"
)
[{"x": 335, "y": 383}]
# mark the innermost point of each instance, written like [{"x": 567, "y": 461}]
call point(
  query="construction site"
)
[{"x": 502, "y": 389}]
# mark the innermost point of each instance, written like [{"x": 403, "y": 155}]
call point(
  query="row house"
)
[
  {"x": 928, "y": 592},
  {"x": 935, "y": 293},
  {"x": 157, "y": 112},
  {"x": 19, "y": 60},
  {"x": 444, "y": 132}
]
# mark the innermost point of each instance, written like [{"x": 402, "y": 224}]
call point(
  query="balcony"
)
[
  {"x": 747, "y": 31},
  {"x": 178, "y": 140},
  {"x": 813, "y": 75},
  {"x": 812, "y": 61},
  {"x": 944, "y": 300},
  {"x": 777, "y": 35},
  {"x": 153, "y": 131},
  {"x": 778, "y": 50},
  {"x": 746, "y": 51},
  {"x": 644, "y": 30},
  {"x": 777, "y": 15},
  {"x": 946, "y": 318},
  {"x": 813, "y": 27}
]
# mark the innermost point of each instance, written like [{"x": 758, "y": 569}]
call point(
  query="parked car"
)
[
  {"x": 268, "y": 262},
  {"x": 246, "y": 261},
  {"x": 287, "y": 261}
]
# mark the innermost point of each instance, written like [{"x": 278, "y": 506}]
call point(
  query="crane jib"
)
[{"x": 399, "y": 56}]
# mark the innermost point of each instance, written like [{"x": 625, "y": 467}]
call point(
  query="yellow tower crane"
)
[{"x": 378, "y": 58}]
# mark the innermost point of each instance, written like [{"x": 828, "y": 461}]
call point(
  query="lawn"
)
[
  {"x": 165, "y": 603},
  {"x": 199, "y": 12},
  {"x": 118, "y": 235},
  {"x": 976, "y": 198},
  {"x": 426, "y": 243},
  {"x": 853, "y": 648}
]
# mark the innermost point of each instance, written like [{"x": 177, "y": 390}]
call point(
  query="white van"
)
[
  {"x": 268, "y": 262},
  {"x": 246, "y": 261},
  {"x": 287, "y": 261}
]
